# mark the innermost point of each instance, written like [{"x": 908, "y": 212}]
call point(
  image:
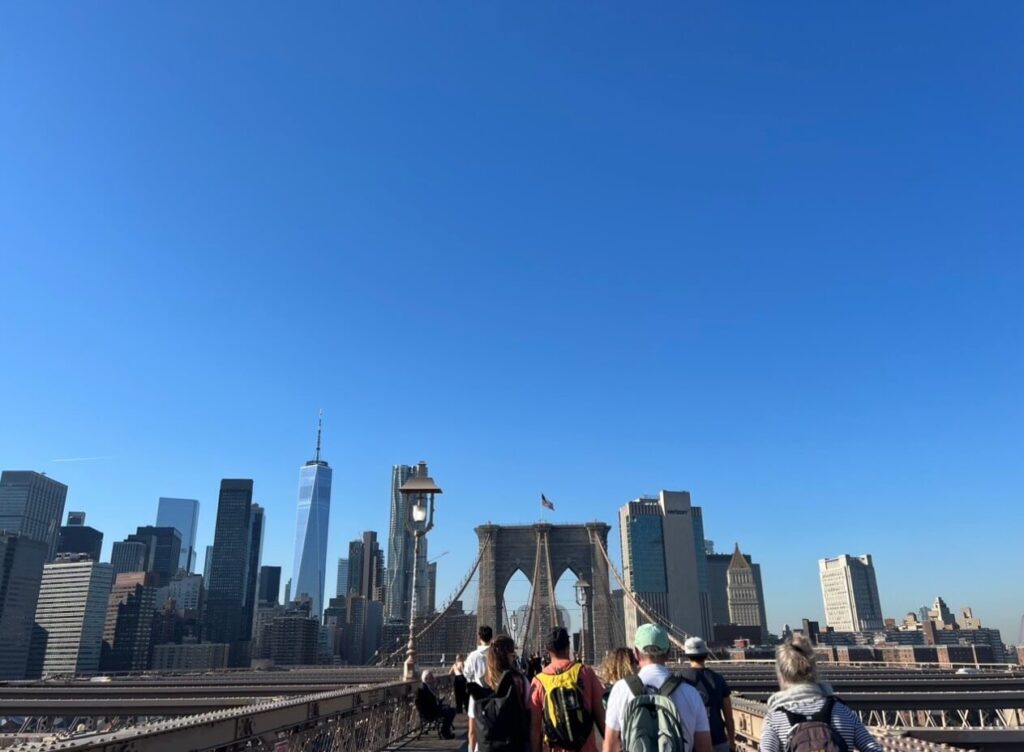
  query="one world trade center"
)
[{"x": 309, "y": 569}]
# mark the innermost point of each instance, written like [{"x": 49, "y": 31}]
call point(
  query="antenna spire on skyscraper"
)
[{"x": 319, "y": 430}]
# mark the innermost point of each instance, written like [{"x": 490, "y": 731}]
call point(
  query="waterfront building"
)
[
  {"x": 664, "y": 577},
  {"x": 850, "y": 592},
  {"x": 309, "y": 571},
  {"x": 183, "y": 515},
  {"x": 294, "y": 639},
  {"x": 191, "y": 656},
  {"x": 32, "y": 504},
  {"x": 70, "y": 615},
  {"x": 78, "y": 538},
  {"x": 21, "y": 574},
  {"x": 718, "y": 587}
]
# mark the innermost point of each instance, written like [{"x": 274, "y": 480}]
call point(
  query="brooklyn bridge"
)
[{"x": 370, "y": 708}]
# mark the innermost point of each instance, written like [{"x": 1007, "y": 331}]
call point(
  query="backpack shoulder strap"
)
[
  {"x": 636, "y": 685},
  {"x": 794, "y": 718},
  {"x": 825, "y": 714},
  {"x": 671, "y": 685}
]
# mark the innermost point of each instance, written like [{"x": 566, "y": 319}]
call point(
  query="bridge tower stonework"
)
[{"x": 543, "y": 552}]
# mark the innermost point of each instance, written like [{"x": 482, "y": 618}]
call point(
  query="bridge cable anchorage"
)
[
  {"x": 677, "y": 635},
  {"x": 448, "y": 606}
]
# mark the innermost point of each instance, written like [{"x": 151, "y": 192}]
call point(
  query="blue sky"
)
[{"x": 768, "y": 255}]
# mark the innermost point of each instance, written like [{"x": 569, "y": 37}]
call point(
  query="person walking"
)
[
  {"x": 714, "y": 691},
  {"x": 459, "y": 683},
  {"x": 500, "y": 715},
  {"x": 805, "y": 714},
  {"x": 683, "y": 723},
  {"x": 565, "y": 700},
  {"x": 618, "y": 664},
  {"x": 475, "y": 669}
]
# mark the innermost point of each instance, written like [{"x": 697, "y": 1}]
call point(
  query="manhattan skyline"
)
[{"x": 768, "y": 256}]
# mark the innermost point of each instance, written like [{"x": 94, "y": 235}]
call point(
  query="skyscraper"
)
[
  {"x": 309, "y": 571},
  {"x": 718, "y": 586},
  {"x": 226, "y": 586},
  {"x": 163, "y": 550},
  {"x": 366, "y": 567},
  {"x": 182, "y": 514},
  {"x": 270, "y": 586},
  {"x": 252, "y": 572},
  {"x": 78, "y": 538},
  {"x": 129, "y": 556},
  {"x": 341, "y": 588},
  {"x": 33, "y": 505},
  {"x": 129, "y": 620},
  {"x": 850, "y": 592},
  {"x": 21, "y": 574},
  {"x": 745, "y": 608},
  {"x": 70, "y": 614},
  {"x": 665, "y": 577}
]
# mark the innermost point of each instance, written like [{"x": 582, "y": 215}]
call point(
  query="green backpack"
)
[{"x": 650, "y": 722}]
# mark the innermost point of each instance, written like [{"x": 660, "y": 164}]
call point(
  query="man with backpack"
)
[
  {"x": 655, "y": 710},
  {"x": 565, "y": 699},
  {"x": 714, "y": 691}
]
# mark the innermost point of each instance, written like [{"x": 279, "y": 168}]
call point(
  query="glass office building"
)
[
  {"x": 309, "y": 569},
  {"x": 182, "y": 514}
]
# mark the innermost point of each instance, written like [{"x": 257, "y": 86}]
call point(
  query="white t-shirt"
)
[
  {"x": 687, "y": 699},
  {"x": 475, "y": 669}
]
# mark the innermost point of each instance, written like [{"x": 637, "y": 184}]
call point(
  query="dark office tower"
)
[
  {"x": 77, "y": 538},
  {"x": 128, "y": 628},
  {"x": 182, "y": 514},
  {"x": 164, "y": 549},
  {"x": 208, "y": 563},
  {"x": 226, "y": 581},
  {"x": 129, "y": 556},
  {"x": 366, "y": 567},
  {"x": 32, "y": 504},
  {"x": 252, "y": 572},
  {"x": 21, "y": 573},
  {"x": 270, "y": 585}
]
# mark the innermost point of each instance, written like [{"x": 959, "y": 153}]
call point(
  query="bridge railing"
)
[{"x": 357, "y": 719}]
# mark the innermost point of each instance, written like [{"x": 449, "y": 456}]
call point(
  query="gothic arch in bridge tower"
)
[{"x": 544, "y": 552}]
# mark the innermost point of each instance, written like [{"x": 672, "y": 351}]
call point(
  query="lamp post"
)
[
  {"x": 582, "y": 588},
  {"x": 419, "y": 491}
]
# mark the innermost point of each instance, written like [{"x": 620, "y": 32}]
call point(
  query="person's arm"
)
[
  {"x": 730, "y": 722},
  {"x": 862, "y": 738},
  {"x": 613, "y": 741},
  {"x": 596, "y": 698},
  {"x": 769, "y": 735},
  {"x": 702, "y": 741},
  {"x": 613, "y": 721},
  {"x": 536, "y": 706}
]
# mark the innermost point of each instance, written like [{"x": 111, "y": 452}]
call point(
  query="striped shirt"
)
[{"x": 776, "y": 729}]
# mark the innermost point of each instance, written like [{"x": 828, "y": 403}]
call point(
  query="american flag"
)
[{"x": 545, "y": 503}]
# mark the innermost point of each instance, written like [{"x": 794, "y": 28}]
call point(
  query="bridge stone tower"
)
[{"x": 543, "y": 553}]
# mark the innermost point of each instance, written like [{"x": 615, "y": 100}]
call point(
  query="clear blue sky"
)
[{"x": 771, "y": 255}]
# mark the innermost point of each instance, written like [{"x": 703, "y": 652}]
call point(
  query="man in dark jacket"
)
[{"x": 715, "y": 692}]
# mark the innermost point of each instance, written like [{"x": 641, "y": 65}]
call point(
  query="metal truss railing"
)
[{"x": 358, "y": 719}]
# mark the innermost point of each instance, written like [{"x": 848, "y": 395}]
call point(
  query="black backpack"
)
[
  {"x": 502, "y": 719},
  {"x": 814, "y": 733}
]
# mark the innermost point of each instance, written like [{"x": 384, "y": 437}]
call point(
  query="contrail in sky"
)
[{"x": 80, "y": 459}]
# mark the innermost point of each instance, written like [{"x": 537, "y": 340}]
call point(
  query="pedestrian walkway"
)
[{"x": 430, "y": 743}]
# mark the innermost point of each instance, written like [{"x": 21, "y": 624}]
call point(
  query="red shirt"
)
[{"x": 592, "y": 691}]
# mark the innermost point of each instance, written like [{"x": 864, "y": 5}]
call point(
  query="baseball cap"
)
[
  {"x": 558, "y": 639},
  {"x": 652, "y": 636},
  {"x": 696, "y": 647}
]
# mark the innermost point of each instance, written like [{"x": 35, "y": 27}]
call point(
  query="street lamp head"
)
[
  {"x": 420, "y": 482},
  {"x": 582, "y": 588}
]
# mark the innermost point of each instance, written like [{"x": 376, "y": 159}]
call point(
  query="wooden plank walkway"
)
[{"x": 430, "y": 743}]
